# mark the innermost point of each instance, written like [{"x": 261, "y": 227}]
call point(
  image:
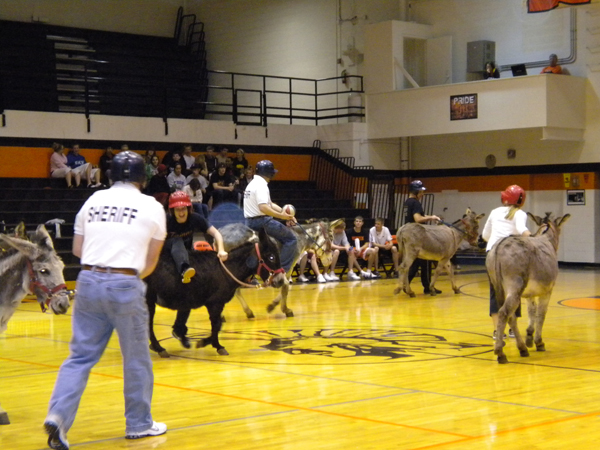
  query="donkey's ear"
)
[
  {"x": 42, "y": 237},
  {"x": 20, "y": 231},
  {"x": 262, "y": 235},
  {"x": 23, "y": 246},
  {"x": 561, "y": 221},
  {"x": 538, "y": 220},
  {"x": 479, "y": 217},
  {"x": 469, "y": 211}
]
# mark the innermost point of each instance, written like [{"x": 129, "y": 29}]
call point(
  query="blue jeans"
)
[
  {"x": 280, "y": 232},
  {"x": 105, "y": 302}
]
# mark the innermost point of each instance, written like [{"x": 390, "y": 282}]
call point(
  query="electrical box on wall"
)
[{"x": 479, "y": 53}]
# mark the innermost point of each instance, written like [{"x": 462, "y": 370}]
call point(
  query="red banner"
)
[{"x": 534, "y": 6}]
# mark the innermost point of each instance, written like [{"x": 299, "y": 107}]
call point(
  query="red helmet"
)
[
  {"x": 179, "y": 198},
  {"x": 513, "y": 195}
]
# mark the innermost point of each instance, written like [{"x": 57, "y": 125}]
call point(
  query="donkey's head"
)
[
  {"x": 320, "y": 233},
  {"x": 269, "y": 263},
  {"x": 549, "y": 227},
  {"x": 471, "y": 223},
  {"x": 45, "y": 269}
]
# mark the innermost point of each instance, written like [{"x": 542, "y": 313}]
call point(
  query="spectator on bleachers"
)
[
  {"x": 188, "y": 158},
  {"x": 152, "y": 167},
  {"x": 149, "y": 154},
  {"x": 239, "y": 163},
  {"x": 104, "y": 165},
  {"x": 200, "y": 161},
  {"x": 339, "y": 243},
  {"x": 177, "y": 159},
  {"x": 243, "y": 183},
  {"x": 211, "y": 160},
  {"x": 222, "y": 156},
  {"x": 314, "y": 264},
  {"x": 381, "y": 238},
  {"x": 194, "y": 190},
  {"x": 158, "y": 186},
  {"x": 223, "y": 186},
  {"x": 195, "y": 175},
  {"x": 59, "y": 167},
  {"x": 359, "y": 239},
  {"x": 176, "y": 179},
  {"x": 167, "y": 159},
  {"x": 79, "y": 166}
]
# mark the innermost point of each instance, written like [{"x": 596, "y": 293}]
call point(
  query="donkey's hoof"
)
[
  {"x": 250, "y": 315},
  {"x": 456, "y": 291},
  {"x": 202, "y": 343},
  {"x": 185, "y": 342},
  {"x": 223, "y": 352},
  {"x": 289, "y": 313},
  {"x": 524, "y": 353},
  {"x": 502, "y": 359},
  {"x": 529, "y": 341},
  {"x": 164, "y": 354},
  {"x": 541, "y": 347},
  {"x": 270, "y": 307},
  {"x": 223, "y": 319},
  {"x": 397, "y": 291}
]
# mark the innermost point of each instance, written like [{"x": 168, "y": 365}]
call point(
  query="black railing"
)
[{"x": 383, "y": 193}]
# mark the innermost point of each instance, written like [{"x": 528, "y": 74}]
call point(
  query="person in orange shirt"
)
[{"x": 553, "y": 67}]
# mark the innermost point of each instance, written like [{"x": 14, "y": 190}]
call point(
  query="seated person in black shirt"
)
[
  {"x": 223, "y": 186},
  {"x": 182, "y": 223}
]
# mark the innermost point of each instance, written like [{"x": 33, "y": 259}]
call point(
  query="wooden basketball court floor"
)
[{"x": 356, "y": 367}]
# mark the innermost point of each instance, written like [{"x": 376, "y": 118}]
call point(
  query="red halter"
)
[
  {"x": 34, "y": 282},
  {"x": 261, "y": 263}
]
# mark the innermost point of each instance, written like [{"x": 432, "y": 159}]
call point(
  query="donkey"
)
[
  {"x": 525, "y": 267},
  {"x": 30, "y": 267},
  {"x": 315, "y": 235},
  {"x": 213, "y": 286},
  {"x": 434, "y": 243}
]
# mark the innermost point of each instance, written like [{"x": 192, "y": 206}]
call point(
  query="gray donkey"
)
[
  {"x": 525, "y": 267},
  {"x": 30, "y": 267},
  {"x": 434, "y": 243}
]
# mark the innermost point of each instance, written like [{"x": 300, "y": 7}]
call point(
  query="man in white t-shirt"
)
[
  {"x": 119, "y": 233},
  {"x": 260, "y": 212},
  {"x": 381, "y": 238}
]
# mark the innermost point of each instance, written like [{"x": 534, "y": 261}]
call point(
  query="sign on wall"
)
[
  {"x": 546, "y": 5},
  {"x": 463, "y": 107}
]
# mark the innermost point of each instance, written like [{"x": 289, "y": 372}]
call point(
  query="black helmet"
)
[
  {"x": 417, "y": 186},
  {"x": 266, "y": 168},
  {"x": 129, "y": 167}
]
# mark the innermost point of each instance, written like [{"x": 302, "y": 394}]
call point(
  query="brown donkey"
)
[
  {"x": 525, "y": 267},
  {"x": 434, "y": 243}
]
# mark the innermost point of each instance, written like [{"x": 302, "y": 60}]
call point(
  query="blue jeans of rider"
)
[
  {"x": 107, "y": 302},
  {"x": 278, "y": 231}
]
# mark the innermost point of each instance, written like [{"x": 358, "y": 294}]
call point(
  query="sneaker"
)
[
  {"x": 321, "y": 279},
  {"x": 366, "y": 275},
  {"x": 428, "y": 291},
  {"x": 375, "y": 274},
  {"x": 511, "y": 333},
  {"x": 352, "y": 276},
  {"x": 327, "y": 277},
  {"x": 155, "y": 430},
  {"x": 302, "y": 279},
  {"x": 56, "y": 437},
  {"x": 186, "y": 274},
  {"x": 333, "y": 277},
  {"x": 97, "y": 185},
  {"x": 495, "y": 335}
]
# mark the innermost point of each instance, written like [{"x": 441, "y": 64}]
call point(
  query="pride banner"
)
[{"x": 534, "y": 6}]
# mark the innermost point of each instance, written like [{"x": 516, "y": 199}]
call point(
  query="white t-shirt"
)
[
  {"x": 380, "y": 238},
  {"x": 256, "y": 193},
  {"x": 340, "y": 239},
  {"x": 176, "y": 182},
  {"x": 194, "y": 198},
  {"x": 117, "y": 225},
  {"x": 498, "y": 227},
  {"x": 189, "y": 160}
]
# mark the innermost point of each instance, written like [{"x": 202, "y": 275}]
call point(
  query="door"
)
[{"x": 439, "y": 60}]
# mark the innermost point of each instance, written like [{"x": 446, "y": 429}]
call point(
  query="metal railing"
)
[{"x": 383, "y": 193}]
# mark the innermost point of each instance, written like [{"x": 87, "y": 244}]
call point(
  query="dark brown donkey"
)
[
  {"x": 434, "y": 243},
  {"x": 525, "y": 267}
]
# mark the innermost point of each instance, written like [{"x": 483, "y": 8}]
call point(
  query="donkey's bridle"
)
[
  {"x": 34, "y": 282},
  {"x": 261, "y": 264},
  {"x": 465, "y": 231}
]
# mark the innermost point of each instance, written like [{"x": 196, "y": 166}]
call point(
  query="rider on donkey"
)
[
  {"x": 182, "y": 223},
  {"x": 259, "y": 212}
]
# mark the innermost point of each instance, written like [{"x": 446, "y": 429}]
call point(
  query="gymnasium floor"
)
[{"x": 356, "y": 368}]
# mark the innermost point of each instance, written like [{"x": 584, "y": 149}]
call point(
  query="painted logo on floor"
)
[{"x": 352, "y": 345}]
